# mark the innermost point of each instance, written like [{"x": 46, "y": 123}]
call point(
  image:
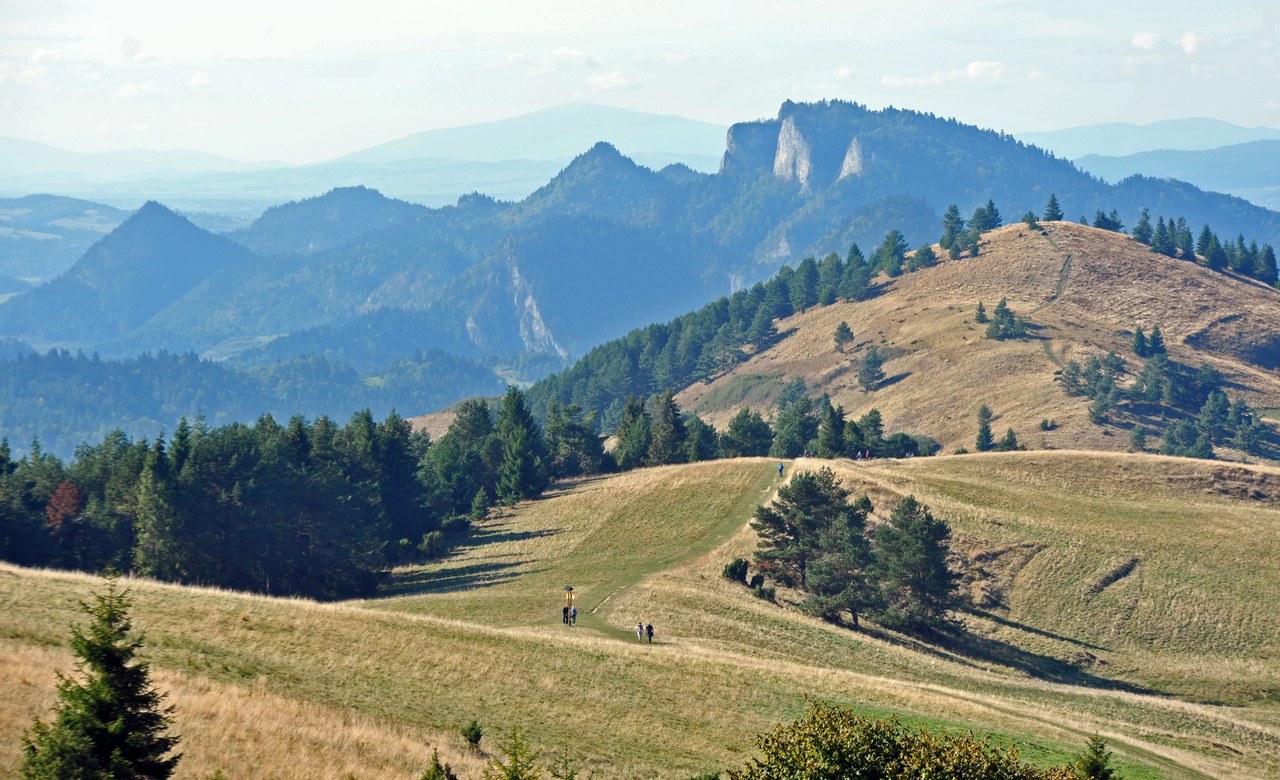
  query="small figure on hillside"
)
[
  {"x": 648, "y": 631},
  {"x": 573, "y": 616},
  {"x": 565, "y": 618},
  {"x": 640, "y": 631},
  {"x": 779, "y": 471}
]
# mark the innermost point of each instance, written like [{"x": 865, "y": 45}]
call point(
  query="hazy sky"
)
[{"x": 303, "y": 81}]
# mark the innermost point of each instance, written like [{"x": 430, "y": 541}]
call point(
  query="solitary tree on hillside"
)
[
  {"x": 871, "y": 374},
  {"x": 1051, "y": 211},
  {"x": 110, "y": 723},
  {"x": 1095, "y": 762},
  {"x": 843, "y": 335},
  {"x": 985, "y": 440}
]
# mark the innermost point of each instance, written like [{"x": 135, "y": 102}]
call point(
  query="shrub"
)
[
  {"x": 736, "y": 570},
  {"x": 472, "y": 733},
  {"x": 433, "y": 545},
  {"x": 757, "y": 580},
  {"x": 833, "y": 742},
  {"x": 437, "y": 770},
  {"x": 456, "y": 526}
]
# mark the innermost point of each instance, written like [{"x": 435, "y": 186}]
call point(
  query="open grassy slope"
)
[
  {"x": 1173, "y": 658},
  {"x": 1083, "y": 289}
]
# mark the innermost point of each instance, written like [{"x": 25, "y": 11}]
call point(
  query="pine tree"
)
[
  {"x": 924, "y": 257},
  {"x": 790, "y": 526},
  {"x": 1265, "y": 269},
  {"x": 632, "y": 435},
  {"x": 1155, "y": 342},
  {"x": 1009, "y": 443},
  {"x": 666, "y": 431},
  {"x": 952, "y": 228},
  {"x": 831, "y": 433},
  {"x": 158, "y": 548},
  {"x": 521, "y": 760},
  {"x": 980, "y": 316},
  {"x": 1142, "y": 232},
  {"x": 804, "y": 285},
  {"x": 1140, "y": 347},
  {"x": 843, "y": 336},
  {"x": 110, "y": 723},
  {"x": 911, "y": 558},
  {"x": 747, "y": 435},
  {"x": 1051, "y": 211},
  {"x": 1095, "y": 762},
  {"x": 871, "y": 373},
  {"x": 523, "y": 473},
  {"x": 891, "y": 253},
  {"x": 985, "y": 440}
]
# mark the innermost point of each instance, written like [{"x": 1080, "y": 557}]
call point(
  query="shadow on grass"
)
[
  {"x": 482, "y": 536},
  {"x": 968, "y": 648},
  {"x": 451, "y": 580},
  {"x": 994, "y": 618}
]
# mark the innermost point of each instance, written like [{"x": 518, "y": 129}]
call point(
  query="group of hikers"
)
[{"x": 644, "y": 631}]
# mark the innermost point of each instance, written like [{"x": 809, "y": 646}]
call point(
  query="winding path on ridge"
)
[{"x": 1063, "y": 275}]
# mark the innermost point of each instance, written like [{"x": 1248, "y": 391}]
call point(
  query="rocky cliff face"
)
[{"x": 813, "y": 145}]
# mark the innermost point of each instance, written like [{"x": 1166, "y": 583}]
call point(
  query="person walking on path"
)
[
  {"x": 648, "y": 631},
  {"x": 779, "y": 471},
  {"x": 565, "y": 615},
  {"x": 573, "y": 616},
  {"x": 640, "y": 631}
]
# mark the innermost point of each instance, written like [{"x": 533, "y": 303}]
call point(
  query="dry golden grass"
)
[
  {"x": 368, "y": 688},
  {"x": 941, "y": 367}
]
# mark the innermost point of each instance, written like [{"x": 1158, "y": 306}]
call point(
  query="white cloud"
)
[
  {"x": 673, "y": 58},
  {"x": 1144, "y": 40},
  {"x": 1038, "y": 75},
  {"x": 4, "y": 73},
  {"x": 979, "y": 71},
  {"x": 198, "y": 79},
  {"x": 614, "y": 79},
  {"x": 1190, "y": 42},
  {"x": 130, "y": 90},
  {"x": 566, "y": 56},
  {"x": 844, "y": 71},
  {"x": 43, "y": 55}
]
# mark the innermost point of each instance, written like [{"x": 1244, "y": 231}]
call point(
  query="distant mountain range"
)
[
  {"x": 1249, "y": 170},
  {"x": 507, "y": 159},
  {"x": 1117, "y": 139},
  {"x": 603, "y": 247}
]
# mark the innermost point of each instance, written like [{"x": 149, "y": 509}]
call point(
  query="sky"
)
[{"x": 305, "y": 81}]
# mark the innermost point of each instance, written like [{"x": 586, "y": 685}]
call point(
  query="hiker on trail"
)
[
  {"x": 779, "y": 471},
  {"x": 573, "y": 616},
  {"x": 640, "y": 631},
  {"x": 565, "y": 619},
  {"x": 648, "y": 631}
]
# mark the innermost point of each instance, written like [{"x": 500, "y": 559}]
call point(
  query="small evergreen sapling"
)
[
  {"x": 111, "y": 723},
  {"x": 843, "y": 336}
]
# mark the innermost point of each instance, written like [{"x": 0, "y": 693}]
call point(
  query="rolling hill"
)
[
  {"x": 1132, "y": 596},
  {"x": 1082, "y": 289}
]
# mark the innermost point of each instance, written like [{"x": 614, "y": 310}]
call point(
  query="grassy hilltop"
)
[
  {"x": 1132, "y": 596},
  {"x": 1082, "y": 290}
]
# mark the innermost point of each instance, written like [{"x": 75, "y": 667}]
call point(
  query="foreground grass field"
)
[{"x": 1172, "y": 656}]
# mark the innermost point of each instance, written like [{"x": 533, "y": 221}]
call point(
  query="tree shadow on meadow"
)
[
  {"x": 958, "y": 645},
  {"x": 447, "y": 579}
]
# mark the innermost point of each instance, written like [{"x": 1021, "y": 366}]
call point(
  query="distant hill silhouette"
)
[{"x": 1249, "y": 170}]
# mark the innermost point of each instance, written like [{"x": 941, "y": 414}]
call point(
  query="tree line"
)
[{"x": 306, "y": 508}]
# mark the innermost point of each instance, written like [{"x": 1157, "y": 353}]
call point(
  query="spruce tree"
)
[
  {"x": 980, "y": 316},
  {"x": 1140, "y": 347},
  {"x": 1051, "y": 211},
  {"x": 911, "y": 558},
  {"x": 831, "y": 433},
  {"x": 985, "y": 440},
  {"x": 871, "y": 373},
  {"x": 1095, "y": 762},
  {"x": 1142, "y": 232},
  {"x": 158, "y": 547},
  {"x": 523, "y": 473},
  {"x": 843, "y": 335},
  {"x": 110, "y": 722},
  {"x": 747, "y": 435},
  {"x": 1009, "y": 443},
  {"x": 952, "y": 228},
  {"x": 666, "y": 431},
  {"x": 632, "y": 435}
]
